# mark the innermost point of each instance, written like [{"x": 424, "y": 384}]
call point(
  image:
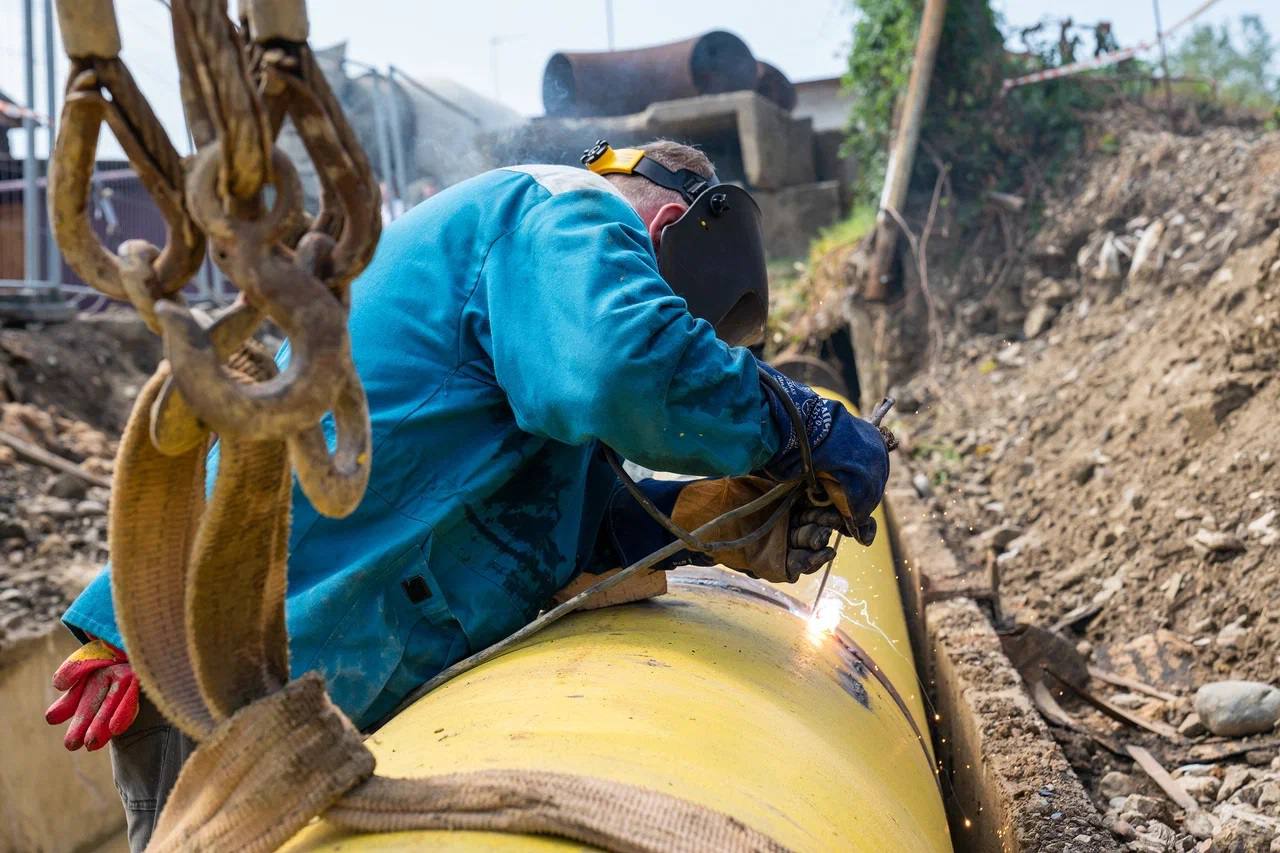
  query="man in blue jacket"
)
[{"x": 505, "y": 330}]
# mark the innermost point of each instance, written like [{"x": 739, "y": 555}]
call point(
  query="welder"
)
[{"x": 507, "y": 331}]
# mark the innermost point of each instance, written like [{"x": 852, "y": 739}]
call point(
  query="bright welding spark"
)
[
  {"x": 825, "y": 619},
  {"x": 862, "y": 608}
]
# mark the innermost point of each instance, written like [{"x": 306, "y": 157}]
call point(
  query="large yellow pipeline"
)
[{"x": 722, "y": 692}]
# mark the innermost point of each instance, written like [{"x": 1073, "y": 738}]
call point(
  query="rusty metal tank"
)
[
  {"x": 620, "y": 82},
  {"x": 774, "y": 85}
]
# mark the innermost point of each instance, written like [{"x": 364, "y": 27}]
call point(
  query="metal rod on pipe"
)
[{"x": 30, "y": 192}]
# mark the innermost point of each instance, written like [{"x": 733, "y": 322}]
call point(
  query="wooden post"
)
[{"x": 903, "y": 153}]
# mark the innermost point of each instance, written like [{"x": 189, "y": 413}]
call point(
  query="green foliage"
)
[
  {"x": 1242, "y": 72},
  {"x": 965, "y": 92},
  {"x": 987, "y": 139},
  {"x": 1041, "y": 123},
  {"x": 884, "y": 38},
  {"x": 849, "y": 230},
  {"x": 966, "y": 81}
]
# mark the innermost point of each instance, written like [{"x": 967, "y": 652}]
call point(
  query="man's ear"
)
[{"x": 666, "y": 214}]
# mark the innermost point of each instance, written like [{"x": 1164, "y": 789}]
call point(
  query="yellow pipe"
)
[{"x": 721, "y": 692}]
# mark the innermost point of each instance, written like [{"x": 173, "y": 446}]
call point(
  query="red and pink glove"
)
[{"x": 101, "y": 698}]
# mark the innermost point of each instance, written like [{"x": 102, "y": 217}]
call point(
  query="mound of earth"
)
[
  {"x": 66, "y": 389},
  {"x": 1117, "y": 464}
]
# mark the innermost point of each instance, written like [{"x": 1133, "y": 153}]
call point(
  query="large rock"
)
[
  {"x": 1116, "y": 784},
  {"x": 1039, "y": 317},
  {"x": 1238, "y": 708},
  {"x": 1146, "y": 258},
  {"x": 1240, "y": 837}
]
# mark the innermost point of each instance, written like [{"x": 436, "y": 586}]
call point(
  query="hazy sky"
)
[{"x": 499, "y": 47}]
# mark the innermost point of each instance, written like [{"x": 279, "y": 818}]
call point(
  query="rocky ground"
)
[
  {"x": 1101, "y": 433},
  {"x": 1116, "y": 463},
  {"x": 66, "y": 389}
]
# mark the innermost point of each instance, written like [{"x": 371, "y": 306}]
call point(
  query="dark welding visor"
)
[{"x": 713, "y": 255}]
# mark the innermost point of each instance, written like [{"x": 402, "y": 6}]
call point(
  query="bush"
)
[
  {"x": 1243, "y": 75},
  {"x": 988, "y": 139}
]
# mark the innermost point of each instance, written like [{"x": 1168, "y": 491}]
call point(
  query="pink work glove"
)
[{"x": 101, "y": 698}]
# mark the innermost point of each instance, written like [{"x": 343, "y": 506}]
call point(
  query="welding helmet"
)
[{"x": 713, "y": 255}]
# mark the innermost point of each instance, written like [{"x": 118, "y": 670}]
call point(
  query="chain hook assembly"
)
[{"x": 238, "y": 86}]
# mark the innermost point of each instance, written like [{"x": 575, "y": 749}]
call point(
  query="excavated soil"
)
[
  {"x": 67, "y": 389},
  {"x": 1117, "y": 464}
]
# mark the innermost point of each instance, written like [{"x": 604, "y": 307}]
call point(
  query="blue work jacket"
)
[{"x": 503, "y": 328}]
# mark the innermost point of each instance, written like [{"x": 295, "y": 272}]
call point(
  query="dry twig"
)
[
  {"x": 40, "y": 456},
  {"x": 1171, "y": 786},
  {"x": 919, "y": 251}
]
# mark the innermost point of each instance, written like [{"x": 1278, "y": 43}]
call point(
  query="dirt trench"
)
[{"x": 1097, "y": 437}]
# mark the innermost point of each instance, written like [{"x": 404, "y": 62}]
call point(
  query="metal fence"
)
[{"x": 32, "y": 72}]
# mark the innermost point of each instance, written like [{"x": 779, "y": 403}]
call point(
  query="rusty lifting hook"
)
[
  {"x": 291, "y": 268},
  {"x": 100, "y": 89}
]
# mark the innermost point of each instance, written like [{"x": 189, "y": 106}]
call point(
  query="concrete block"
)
[
  {"x": 1014, "y": 790},
  {"x": 830, "y": 165},
  {"x": 793, "y": 217},
  {"x": 50, "y": 799},
  {"x": 777, "y": 150},
  {"x": 750, "y": 138}
]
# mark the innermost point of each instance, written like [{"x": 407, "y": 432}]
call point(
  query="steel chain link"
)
[{"x": 239, "y": 82}]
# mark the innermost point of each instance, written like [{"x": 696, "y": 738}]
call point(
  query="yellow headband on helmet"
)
[
  {"x": 603, "y": 159},
  {"x": 612, "y": 161}
]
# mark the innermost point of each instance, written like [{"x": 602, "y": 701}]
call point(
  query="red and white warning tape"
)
[
  {"x": 1101, "y": 61},
  {"x": 1105, "y": 59},
  {"x": 15, "y": 111}
]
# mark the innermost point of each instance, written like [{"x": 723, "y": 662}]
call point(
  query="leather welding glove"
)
[
  {"x": 101, "y": 698},
  {"x": 791, "y": 548},
  {"x": 849, "y": 454}
]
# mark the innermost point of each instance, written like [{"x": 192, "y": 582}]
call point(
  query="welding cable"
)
[{"x": 690, "y": 540}]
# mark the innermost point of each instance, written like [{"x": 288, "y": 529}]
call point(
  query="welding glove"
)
[
  {"x": 794, "y": 547},
  {"x": 100, "y": 698},
  {"x": 849, "y": 454}
]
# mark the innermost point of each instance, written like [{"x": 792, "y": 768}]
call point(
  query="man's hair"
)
[{"x": 642, "y": 192}]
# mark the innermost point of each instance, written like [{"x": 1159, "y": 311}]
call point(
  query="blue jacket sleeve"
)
[{"x": 589, "y": 342}]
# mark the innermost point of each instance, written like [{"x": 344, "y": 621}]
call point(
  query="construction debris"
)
[
  {"x": 34, "y": 453},
  {"x": 1161, "y": 777},
  {"x": 64, "y": 393},
  {"x": 1135, "y": 453}
]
